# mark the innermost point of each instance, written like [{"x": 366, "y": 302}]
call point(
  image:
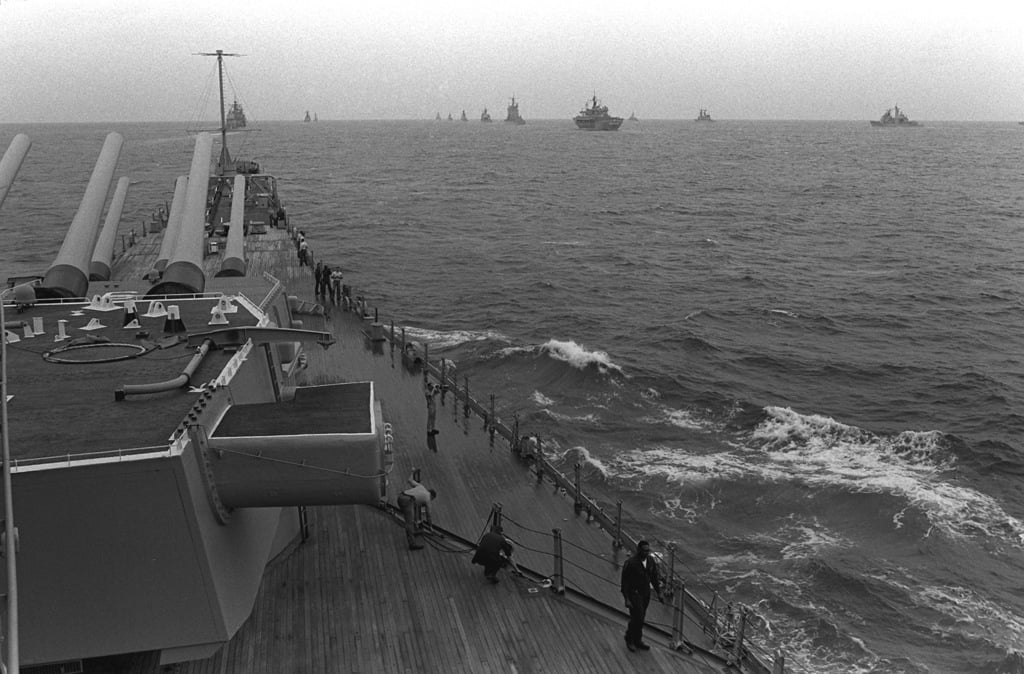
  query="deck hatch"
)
[{"x": 315, "y": 410}]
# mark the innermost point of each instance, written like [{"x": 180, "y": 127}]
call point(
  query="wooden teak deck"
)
[{"x": 354, "y": 598}]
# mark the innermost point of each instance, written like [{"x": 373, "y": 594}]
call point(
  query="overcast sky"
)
[{"x": 132, "y": 60}]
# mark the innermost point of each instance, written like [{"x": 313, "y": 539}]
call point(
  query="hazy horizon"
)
[{"x": 112, "y": 61}]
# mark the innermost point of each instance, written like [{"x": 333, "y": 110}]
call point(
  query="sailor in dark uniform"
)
[{"x": 639, "y": 575}]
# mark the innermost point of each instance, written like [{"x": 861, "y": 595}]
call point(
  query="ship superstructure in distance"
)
[
  {"x": 512, "y": 113},
  {"x": 235, "y": 117},
  {"x": 595, "y": 117},
  {"x": 894, "y": 117}
]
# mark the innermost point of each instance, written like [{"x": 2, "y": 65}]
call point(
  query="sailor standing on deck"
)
[
  {"x": 336, "y": 278},
  {"x": 431, "y": 393},
  {"x": 639, "y": 575},
  {"x": 415, "y": 496},
  {"x": 325, "y": 281}
]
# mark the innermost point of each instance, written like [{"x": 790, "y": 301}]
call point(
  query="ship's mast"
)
[{"x": 225, "y": 156}]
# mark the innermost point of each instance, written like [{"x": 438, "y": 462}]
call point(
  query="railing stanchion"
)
[
  {"x": 540, "y": 462},
  {"x": 455, "y": 397},
  {"x": 712, "y": 618},
  {"x": 679, "y": 616},
  {"x": 618, "y": 524},
  {"x": 736, "y": 658},
  {"x": 559, "y": 579},
  {"x": 779, "y": 666},
  {"x": 491, "y": 420},
  {"x": 516, "y": 440},
  {"x": 577, "y": 504}
]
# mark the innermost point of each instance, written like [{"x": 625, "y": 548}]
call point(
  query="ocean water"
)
[{"x": 793, "y": 349}]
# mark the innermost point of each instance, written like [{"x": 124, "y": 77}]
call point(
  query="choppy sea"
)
[{"x": 793, "y": 349}]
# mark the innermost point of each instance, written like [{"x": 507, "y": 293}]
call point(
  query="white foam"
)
[
  {"x": 682, "y": 467},
  {"x": 967, "y": 612},
  {"x": 541, "y": 400},
  {"x": 579, "y": 357},
  {"x": 590, "y": 418},
  {"x": 679, "y": 419},
  {"x": 820, "y": 451},
  {"x": 446, "y": 339},
  {"x": 809, "y": 538},
  {"x": 585, "y": 458}
]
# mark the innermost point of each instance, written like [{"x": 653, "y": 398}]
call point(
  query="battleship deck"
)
[
  {"x": 351, "y": 597},
  {"x": 354, "y": 598}
]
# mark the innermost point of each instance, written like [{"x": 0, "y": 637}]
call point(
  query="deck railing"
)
[{"x": 733, "y": 628}]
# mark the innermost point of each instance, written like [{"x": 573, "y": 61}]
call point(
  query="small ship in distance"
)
[
  {"x": 513, "y": 113},
  {"x": 595, "y": 117},
  {"x": 894, "y": 117}
]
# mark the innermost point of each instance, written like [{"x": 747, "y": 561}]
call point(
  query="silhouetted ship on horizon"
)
[
  {"x": 894, "y": 117},
  {"x": 595, "y": 117},
  {"x": 513, "y": 113}
]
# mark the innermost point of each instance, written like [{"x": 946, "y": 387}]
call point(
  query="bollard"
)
[
  {"x": 577, "y": 504},
  {"x": 617, "y": 543},
  {"x": 376, "y": 332},
  {"x": 559, "y": 581}
]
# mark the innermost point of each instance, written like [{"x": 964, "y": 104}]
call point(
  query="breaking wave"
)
[{"x": 568, "y": 352}]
